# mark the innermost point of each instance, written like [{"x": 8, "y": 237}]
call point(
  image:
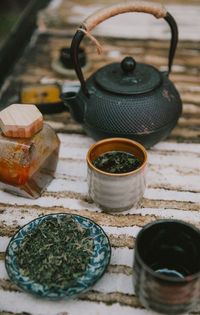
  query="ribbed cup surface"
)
[
  {"x": 167, "y": 266},
  {"x": 164, "y": 296},
  {"x": 116, "y": 192}
]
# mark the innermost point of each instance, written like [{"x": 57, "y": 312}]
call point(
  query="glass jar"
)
[{"x": 27, "y": 164}]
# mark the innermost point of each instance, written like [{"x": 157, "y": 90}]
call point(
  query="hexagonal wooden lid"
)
[{"x": 21, "y": 120}]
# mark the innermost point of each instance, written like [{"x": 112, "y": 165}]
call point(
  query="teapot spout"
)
[{"x": 74, "y": 104}]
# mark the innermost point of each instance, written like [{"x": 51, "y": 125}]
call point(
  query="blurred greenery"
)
[
  {"x": 17, "y": 24},
  {"x": 10, "y": 11}
]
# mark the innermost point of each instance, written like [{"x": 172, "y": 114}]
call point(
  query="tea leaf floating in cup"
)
[
  {"x": 117, "y": 162},
  {"x": 55, "y": 253}
]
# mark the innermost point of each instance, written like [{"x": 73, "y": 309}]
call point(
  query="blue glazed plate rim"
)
[{"x": 96, "y": 268}]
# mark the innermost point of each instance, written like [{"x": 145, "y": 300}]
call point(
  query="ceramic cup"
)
[
  {"x": 167, "y": 266},
  {"x": 65, "y": 57},
  {"x": 116, "y": 192}
]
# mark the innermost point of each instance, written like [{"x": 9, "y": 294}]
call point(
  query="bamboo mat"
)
[{"x": 173, "y": 176}]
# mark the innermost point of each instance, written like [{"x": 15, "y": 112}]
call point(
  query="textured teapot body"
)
[
  {"x": 127, "y": 99},
  {"x": 147, "y": 117}
]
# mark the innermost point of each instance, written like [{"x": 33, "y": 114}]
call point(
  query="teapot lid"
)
[{"x": 128, "y": 77}]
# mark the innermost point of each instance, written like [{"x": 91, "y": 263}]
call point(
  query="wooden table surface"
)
[{"x": 173, "y": 176}]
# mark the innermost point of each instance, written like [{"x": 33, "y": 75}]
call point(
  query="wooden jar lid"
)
[{"x": 21, "y": 120}]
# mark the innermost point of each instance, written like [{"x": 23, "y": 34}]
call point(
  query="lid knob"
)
[
  {"x": 128, "y": 64},
  {"x": 21, "y": 120}
]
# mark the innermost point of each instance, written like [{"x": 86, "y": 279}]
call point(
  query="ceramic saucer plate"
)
[
  {"x": 70, "y": 73},
  {"x": 96, "y": 267}
]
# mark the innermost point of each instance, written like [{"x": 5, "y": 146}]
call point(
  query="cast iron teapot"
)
[{"x": 128, "y": 99}]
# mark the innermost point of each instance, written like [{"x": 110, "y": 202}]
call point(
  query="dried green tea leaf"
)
[
  {"x": 55, "y": 253},
  {"x": 117, "y": 162}
]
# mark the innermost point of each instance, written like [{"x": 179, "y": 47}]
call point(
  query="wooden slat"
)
[
  {"x": 65, "y": 14},
  {"x": 36, "y": 64}
]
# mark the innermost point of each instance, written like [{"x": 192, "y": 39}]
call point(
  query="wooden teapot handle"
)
[
  {"x": 101, "y": 15},
  {"x": 156, "y": 9}
]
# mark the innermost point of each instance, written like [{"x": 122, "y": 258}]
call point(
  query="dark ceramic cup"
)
[
  {"x": 66, "y": 60},
  {"x": 167, "y": 266}
]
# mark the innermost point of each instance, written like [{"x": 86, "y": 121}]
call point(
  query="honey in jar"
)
[{"x": 29, "y": 151}]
